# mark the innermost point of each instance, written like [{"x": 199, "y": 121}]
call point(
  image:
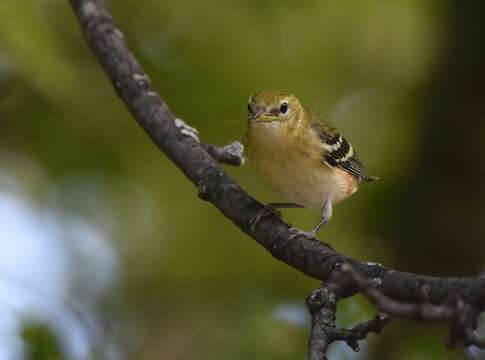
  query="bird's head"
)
[{"x": 269, "y": 106}]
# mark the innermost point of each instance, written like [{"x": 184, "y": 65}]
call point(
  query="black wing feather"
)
[
  {"x": 339, "y": 153},
  {"x": 354, "y": 166}
]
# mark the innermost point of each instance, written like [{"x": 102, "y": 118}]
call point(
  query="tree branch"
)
[
  {"x": 461, "y": 316},
  {"x": 199, "y": 162},
  {"x": 322, "y": 305},
  {"x": 360, "y": 331}
]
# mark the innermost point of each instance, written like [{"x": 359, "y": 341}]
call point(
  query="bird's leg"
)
[
  {"x": 326, "y": 216},
  {"x": 271, "y": 209}
]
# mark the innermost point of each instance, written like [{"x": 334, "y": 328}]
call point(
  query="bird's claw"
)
[
  {"x": 297, "y": 232},
  {"x": 264, "y": 212}
]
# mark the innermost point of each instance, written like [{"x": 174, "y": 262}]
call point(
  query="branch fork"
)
[{"x": 322, "y": 305}]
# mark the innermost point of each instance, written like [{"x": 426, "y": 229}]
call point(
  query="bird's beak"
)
[{"x": 260, "y": 115}]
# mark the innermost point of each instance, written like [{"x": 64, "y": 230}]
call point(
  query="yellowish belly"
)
[
  {"x": 299, "y": 177},
  {"x": 304, "y": 183}
]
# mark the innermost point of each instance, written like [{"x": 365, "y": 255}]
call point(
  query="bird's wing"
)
[{"x": 338, "y": 152}]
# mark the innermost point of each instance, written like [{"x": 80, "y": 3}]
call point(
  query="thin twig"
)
[{"x": 360, "y": 331}]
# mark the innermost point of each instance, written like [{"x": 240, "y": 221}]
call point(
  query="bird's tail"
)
[{"x": 371, "y": 178}]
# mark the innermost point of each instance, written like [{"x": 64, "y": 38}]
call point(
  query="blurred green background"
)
[{"x": 145, "y": 270}]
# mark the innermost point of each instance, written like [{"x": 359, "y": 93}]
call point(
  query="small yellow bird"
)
[{"x": 300, "y": 156}]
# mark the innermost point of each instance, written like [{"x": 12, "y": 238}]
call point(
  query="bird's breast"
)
[{"x": 294, "y": 169}]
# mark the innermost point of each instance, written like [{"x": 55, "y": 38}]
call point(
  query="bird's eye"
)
[{"x": 284, "y": 108}]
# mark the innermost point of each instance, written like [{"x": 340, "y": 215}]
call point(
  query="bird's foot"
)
[
  {"x": 297, "y": 232},
  {"x": 268, "y": 210}
]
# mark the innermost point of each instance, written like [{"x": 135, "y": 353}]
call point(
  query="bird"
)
[{"x": 301, "y": 156}]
